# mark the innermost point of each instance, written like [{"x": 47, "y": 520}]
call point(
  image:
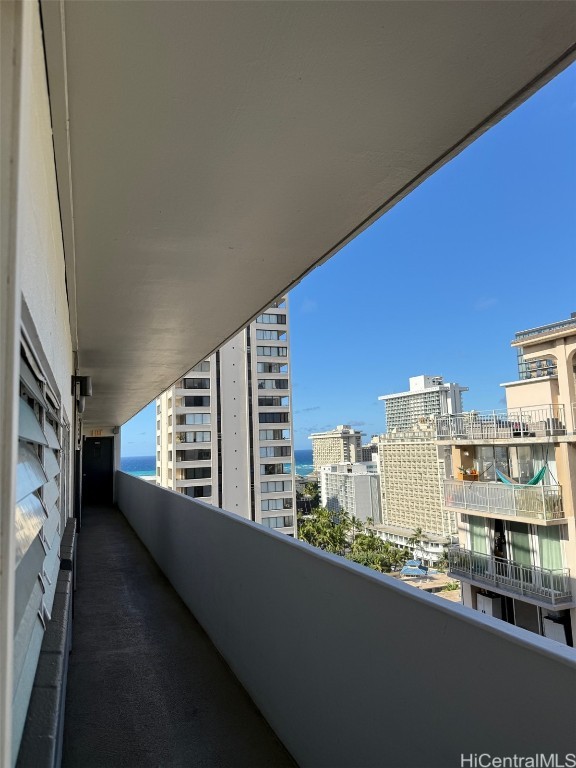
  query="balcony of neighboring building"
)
[
  {"x": 530, "y": 424},
  {"x": 538, "y": 504},
  {"x": 509, "y": 481},
  {"x": 541, "y": 586}
]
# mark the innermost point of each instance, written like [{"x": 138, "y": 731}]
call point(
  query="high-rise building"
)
[
  {"x": 513, "y": 485},
  {"x": 224, "y": 431},
  {"x": 352, "y": 488},
  {"x": 343, "y": 444},
  {"x": 427, "y": 396},
  {"x": 411, "y": 474}
]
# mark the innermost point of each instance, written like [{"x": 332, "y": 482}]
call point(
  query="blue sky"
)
[{"x": 439, "y": 285}]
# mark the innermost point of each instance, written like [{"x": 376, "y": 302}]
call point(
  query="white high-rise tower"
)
[{"x": 224, "y": 431}]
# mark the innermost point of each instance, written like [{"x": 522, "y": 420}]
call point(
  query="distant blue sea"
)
[
  {"x": 145, "y": 466},
  {"x": 142, "y": 466},
  {"x": 303, "y": 459}
]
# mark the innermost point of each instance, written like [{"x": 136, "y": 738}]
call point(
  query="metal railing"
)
[
  {"x": 538, "y": 502},
  {"x": 533, "y": 421},
  {"x": 545, "y": 585}
]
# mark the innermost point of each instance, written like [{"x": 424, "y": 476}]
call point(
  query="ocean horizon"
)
[{"x": 145, "y": 466}]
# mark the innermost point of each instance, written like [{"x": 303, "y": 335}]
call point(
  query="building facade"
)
[
  {"x": 352, "y": 488},
  {"x": 513, "y": 484},
  {"x": 427, "y": 396},
  {"x": 411, "y": 474},
  {"x": 224, "y": 431},
  {"x": 340, "y": 445}
]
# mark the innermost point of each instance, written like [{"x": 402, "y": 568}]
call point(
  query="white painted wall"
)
[{"x": 407, "y": 647}]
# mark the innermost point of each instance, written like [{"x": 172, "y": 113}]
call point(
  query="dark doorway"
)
[{"x": 97, "y": 470}]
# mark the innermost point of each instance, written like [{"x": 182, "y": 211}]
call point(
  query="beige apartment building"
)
[
  {"x": 513, "y": 486},
  {"x": 340, "y": 445},
  {"x": 224, "y": 431}
]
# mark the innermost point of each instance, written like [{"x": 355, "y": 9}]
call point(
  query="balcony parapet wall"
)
[{"x": 286, "y": 616}]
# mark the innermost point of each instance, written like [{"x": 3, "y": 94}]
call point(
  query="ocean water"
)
[
  {"x": 142, "y": 466},
  {"x": 145, "y": 466},
  {"x": 303, "y": 459}
]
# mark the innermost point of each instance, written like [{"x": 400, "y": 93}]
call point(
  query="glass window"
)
[
  {"x": 203, "y": 367},
  {"x": 194, "y": 437},
  {"x": 272, "y": 383},
  {"x": 197, "y": 401},
  {"x": 198, "y": 454},
  {"x": 276, "y": 486},
  {"x": 196, "y": 383},
  {"x": 275, "y": 469},
  {"x": 285, "y": 521},
  {"x": 272, "y": 367},
  {"x": 274, "y": 434},
  {"x": 197, "y": 473},
  {"x": 272, "y": 351},
  {"x": 273, "y": 401},
  {"x": 196, "y": 418},
  {"x": 270, "y": 335},
  {"x": 198, "y": 491},
  {"x": 275, "y": 450},
  {"x": 274, "y": 418},
  {"x": 268, "y": 317}
]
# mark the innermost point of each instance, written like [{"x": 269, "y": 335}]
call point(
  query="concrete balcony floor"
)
[{"x": 146, "y": 687}]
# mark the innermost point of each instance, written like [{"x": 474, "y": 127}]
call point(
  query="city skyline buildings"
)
[
  {"x": 224, "y": 431},
  {"x": 499, "y": 212}
]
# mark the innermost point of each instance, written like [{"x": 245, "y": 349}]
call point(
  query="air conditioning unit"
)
[{"x": 491, "y": 606}]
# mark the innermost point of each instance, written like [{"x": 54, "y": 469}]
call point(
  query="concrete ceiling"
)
[{"x": 210, "y": 154}]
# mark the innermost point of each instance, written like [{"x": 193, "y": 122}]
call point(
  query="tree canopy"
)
[{"x": 350, "y": 537}]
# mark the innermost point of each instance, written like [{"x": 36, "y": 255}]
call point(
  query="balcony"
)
[
  {"x": 533, "y": 422},
  {"x": 537, "y": 585},
  {"x": 283, "y": 616},
  {"x": 538, "y": 504}
]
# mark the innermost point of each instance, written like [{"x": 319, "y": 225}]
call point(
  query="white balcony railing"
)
[
  {"x": 286, "y": 618},
  {"x": 537, "y": 502},
  {"x": 550, "y": 587},
  {"x": 537, "y": 421}
]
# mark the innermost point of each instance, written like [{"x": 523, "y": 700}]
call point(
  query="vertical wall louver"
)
[{"x": 38, "y": 528}]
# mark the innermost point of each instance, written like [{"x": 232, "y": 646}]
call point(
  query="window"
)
[
  {"x": 274, "y": 504},
  {"x": 276, "y": 486},
  {"x": 198, "y": 491},
  {"x": 270, "y": 335},
  {"x": 169, "y": 455},
  {"x": 203, "y": 367},
  {"x": 272, "y": 351},
  {"x": 278, "y": 522},
  {"x": 197, "y": 473},
  {"x": 197, "y": 454},
  {"x": 196, "y": 383},
  {"x": 275, "y": 469},
  {"x": 274, "y": 401},
  {"x": 273, "y": 418},
  {"x": 194, "y": 418},
  {"x": 267, "y": 317},
  {"x": 272, "y": 383},
  {"x": 197, "y": 401},
  {"x": 194, "y": 437},
  {"x": 274, "y": 434},
  {"x": 272, "y": 367},
  {"x": 275, "y": 451}
]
